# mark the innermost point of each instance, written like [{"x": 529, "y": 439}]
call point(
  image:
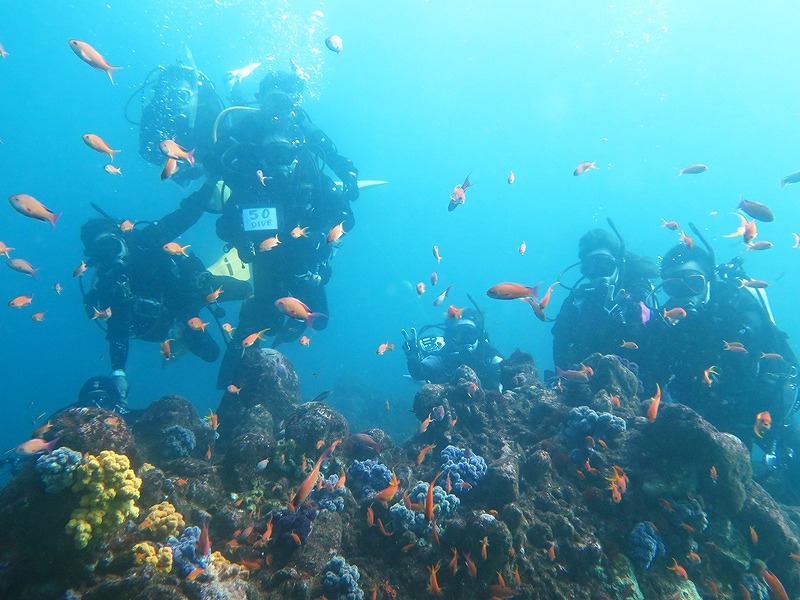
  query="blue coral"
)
[
  {"x": 365, "y": 478},
  {"x": 184, "y": 551},
  {"x": 57, "y": 468},
  {"x": 444, "y": 507},
  {"x": 178, "y": 442},
  {"x": 584, "y": 421},
  {"x": 328, "y": 497},
  {"x": 285, "y": 522},
  {"x": 464, "y": 467},
  {"x": 689, "y": 512},
  {"x": 645, "y": 545},
  {"x": 340, "y": 581}
]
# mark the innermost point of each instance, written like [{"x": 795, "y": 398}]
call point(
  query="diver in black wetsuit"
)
[
  {"x": 607, "y": 310},
  {"x": 273, "y": 164},
  {"x": 463, "y": 341},
  {"x": 151, "y": 293},
  {"x": 725, "y": 358}
]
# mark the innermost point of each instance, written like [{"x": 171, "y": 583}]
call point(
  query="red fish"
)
[
  {"x": 20, "y": 301},
  {"x": 170, "y": 168},
  {"x": 459, "y": 195},
  {"x": 336, "y": 233},
  {"x": 775, "y": 586},
  {"x": 92, "y": 57},
  {"x": 652, "y": 410},
  {"x": 763, "y": 423},
  {"x": 204, "y": 543},
  {"x": 512, "y": 291}
]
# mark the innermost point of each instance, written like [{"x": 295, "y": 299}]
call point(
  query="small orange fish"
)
[
  {"x": 459, "y": 194},
  {"x": 112, "y": 170},
  {"x": 296, "y": 538},
  {"x": 41, "y": 430},
  {"x": 750, "y": 232},
  {"x": 671, "y": 225},
  {"x": 5, "y": 250},
  {"x": 299, "y": 232},
  {"x": 687, "y": 240},
  {"x": 713, "y": 472},
  {"x": 614, "y": 399},
  {"x": 208, "y": 453},
  {"x": 79, "y": 270},
  {"x": 57, "y": 288},
  {"x": 678, "y": 570},
  {"x": 585, "y": 166},
  {"x": 710, "y": 375},
  {"x": 629, "y": 345},
  {"x": 436, "y": 254},
  {"x": 694, "y": 557},
  {"x": 305, "y": 341},
  {"x": 226, "y": 327},
  {"x": 485, "y": 547},
  {"x": 103, "y": 315},
  {"x": 171, "y": 149},
  {"x": 382, "y": 529},
  {"x": 454, "y": 312},
  {"x": 385, "y": 495},
  {"x": 253, "y": 337},
  {"x": 753, "y": 536},
  {"x": 453, "y": 564},
  {"x": 384, "y": 347},
  {"x": 433, "y": 584},
  {"x": 370, "y": 516},
  {"x": 233, "y": 389},
  {"x": 775, "y": 586},
  {"x": 734, "y": 347},
  {"x": 212, "y": 419},
  {"x": 262, "y": 178},
  {"x": 97, "y": 143},
  {"x": 175, "y": 248},
  {"x": 423, "y": 426},
  {"x": 213, "y": 297},
  {"x": 511, "y": 178},
  {"x": 170, "y": 168},
  {"x": 572, "y": 375},
  {"x": 197, "y": 324},
  {"x": 652, "y": 411},
  {"x": 674, "y": 315},
  {"x": 166, "y": 350},
  {"x": 511, "y": 291},
  {"x": 763, "y": 423},
  {"x": 424, "y": 452},
  {"x": 522, "y": 248},
  {"x": 92, "y": 57},
  {"x": 29, "y": 206},
  {"x": 20, "y": 301},
  {"x": 472, "y": 569},
  {"x": 336, "y": 233},
  {"x": 420, "y": 288},
  {"x": 195, "y": 573},
  {"x": 127, "y": 225},
  {"x": 268, "y": 244}
]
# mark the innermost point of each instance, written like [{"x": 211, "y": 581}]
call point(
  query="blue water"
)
[{"x": 423, "y": 94}]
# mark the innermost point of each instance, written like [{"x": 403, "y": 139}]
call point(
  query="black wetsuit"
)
[
  {"x": 440, "y": 365},
  {"x": 747, "y": 384},
  {"x": 150, "y": 291},
  {"x": 304, "y": 197}
]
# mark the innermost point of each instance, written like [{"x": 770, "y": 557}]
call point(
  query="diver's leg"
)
[{"x": 200, "y": 343}]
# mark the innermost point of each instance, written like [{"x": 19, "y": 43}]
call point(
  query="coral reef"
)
[
  {"x": 341, "y": 580},
  {"x": 185, "y": 553},
  {"x": 645, "y": 545},
  {"x": 367, "y": 478},
  {"x": 57, "y": 469},
  {"x": 162, "y": 521},
  {"x": 110, "y": 490},
  {"x": 462, "y": 468},
  {"x": 178, "y": 442},
  {"x": 159, "y": 559}
]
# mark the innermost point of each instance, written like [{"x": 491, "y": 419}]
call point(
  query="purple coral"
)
[
  {"x": 464, "y": 467},
  {"x": 365, "y": 478}
]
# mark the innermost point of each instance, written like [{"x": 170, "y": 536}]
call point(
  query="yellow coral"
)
[
  {"x": 163, "y": 520},
  {"x": 161, "y": 559},
  {"x": 110, "y": 490}
]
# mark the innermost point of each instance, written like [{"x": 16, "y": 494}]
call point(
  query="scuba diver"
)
[
  {"x": 716, "y": 349},
  {"x": 142, "y": 291},
  {"x": 462, "y": 341},
  {"x": 183, "y": 105},
  {"x": 607, "y": 310},
  {"x": 281, "y": 210}
]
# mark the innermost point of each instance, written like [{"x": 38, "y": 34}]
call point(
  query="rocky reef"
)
[{"x": 541, "y": 491}]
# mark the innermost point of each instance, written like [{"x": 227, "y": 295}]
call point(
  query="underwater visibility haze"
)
[{"x": 498, "y": 134}]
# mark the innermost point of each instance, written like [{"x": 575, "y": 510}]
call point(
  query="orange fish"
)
[
  {"x": 20, "y": 301},
  {"x": 614, "y": 399},
  {"x": 38, "y": 317},
  {"x": 103, "y": 315},
  {"x": 511, "y": 291},
  {"x": 170, "y": 168},
  {"x": 546, "y": 298},
  {"x": 21, "y": 265},
  {"x": 433, "y": 585},
  {"x": 485, "y": 547},
  {"x": 127, "y": 225},
  {"x": 30, "y": 207},
  {"x": 385, "y": 495},
  {"x": 551, "y": 551},
  {"x": 175, "y": 248},
  {"x": 268, "y": 244},
  {"x": 112, "y": 170},
  {"x": 79, "y": 270},
  {"x": 750, "y": 232},
  {"x": 420, "y": 287},
  {"x": 687, "y": 240},
  {"x": 261, "y": 177},
  {"x": 454, "y": 313},
  {"x": 95, "y": 142},
  {"x": 370, "y": 516},
  {"x": 775, "y": 586},
  {"x": 213, "y": 297},
  {"x": 511, "y": 178},
  {"x": 585, "y": 166},
  {"x": 296, "y": 538},
  {"x": 678, "y": 570},
  {"x": 674, "y": 315},
  {"x": 440, "y": 298},
  {"x": 226, "y": 327},
  {"x": 299, "y": 232},
  {"x": 92, "y": 57},
  {"x": 429, "y": 498},
  {"x": 4, "y": 250},
  {"x": 384, "y": 347},
  {"x": 195, "y": 573},
  {"x": 57, "y": 288},
  {"x": 522, "y": 247},
  {"x": 197, "y": 324},
  {"x": 471, "y": 568},
  {"x": 293, "y": 308},
  {"x": 251, "y": 339},
  {"x": 336, "y": 233},
  {"x": 233, "y": 389},
  {"x": 41, "y": 430},
  {"x": 629, "y": 345},
  {"x": 734, "y": 347},
  {"x": 166, "y": 349},
  {"x": 308, "y": 483},
  {"x": 3, "y": 52},
  {"x": 713, "y": 472},
  {"x": 305, "y": 341},
  {"x": 34, "y": 446},
  {"x": 671, "y": 225},
  {"x": 710, "y": 375},
  {"x": 171, "y": 149},
  {"x": 453, "y": 564},
  {"x": 573, "y": 375},
  {"x": 652, "y": 411},
  {"x": 423, "y": 426},
  {"x": 753, "y": 536},
  {"x": 341, "y": 481},
  {"x": 382, "y": 529},
  {"x": 212, "y": 419},
  {"x": 436, "y": 254},
  {"x": 763, "y": 423},
  {"x": 459, "y": 195},
  {"x": 424, "y": 452}
]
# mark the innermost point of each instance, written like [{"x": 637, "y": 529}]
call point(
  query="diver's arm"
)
[
  {"x": 425, "y": 369},
  {"x": 321, "y": 144},
  {"x": 178, "y": 221}
]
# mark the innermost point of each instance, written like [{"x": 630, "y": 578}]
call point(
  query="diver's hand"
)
[
  {"x": 350, "y": 190},
  {"x": 411, "y": 345},
  {"x": 200, "y": 199},
  {"x": 120, "y": 383}
]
